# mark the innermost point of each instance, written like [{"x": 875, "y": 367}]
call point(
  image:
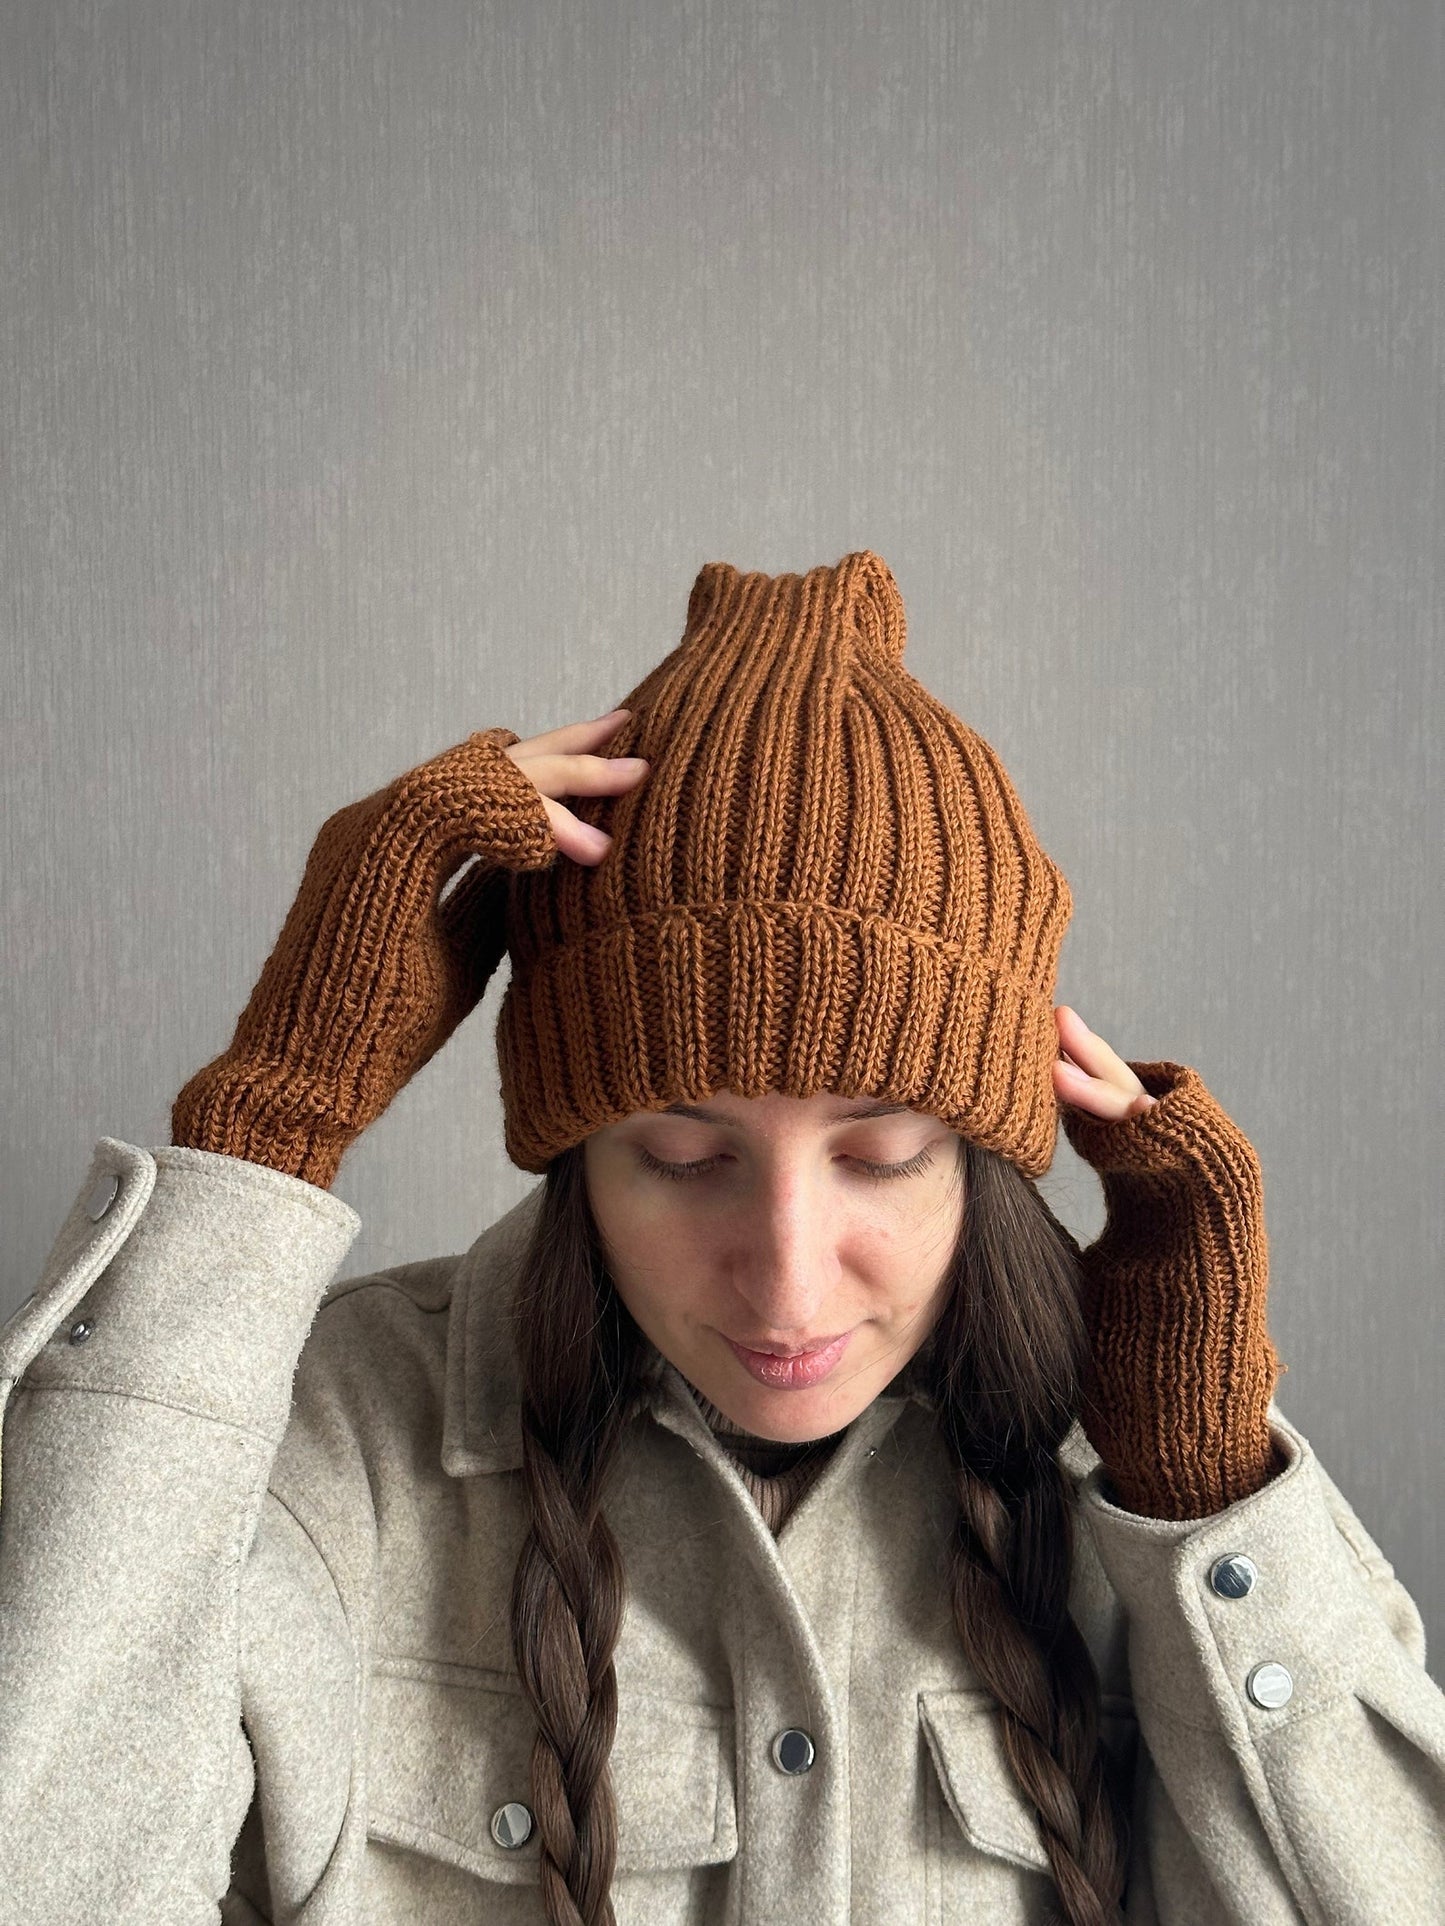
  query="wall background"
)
[{"x": 375, "y": 373}]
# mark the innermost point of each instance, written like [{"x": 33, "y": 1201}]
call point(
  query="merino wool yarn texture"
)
[{"x": 827, "y": 882}]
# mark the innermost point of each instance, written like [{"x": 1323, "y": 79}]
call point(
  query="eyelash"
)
[{"x": 882, "y": 1172}]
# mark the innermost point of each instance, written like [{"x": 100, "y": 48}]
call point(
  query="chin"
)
[{"x": 789, "y": 1417}]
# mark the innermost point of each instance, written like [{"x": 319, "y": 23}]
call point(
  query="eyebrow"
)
[{"x": 728, "y": 1123}]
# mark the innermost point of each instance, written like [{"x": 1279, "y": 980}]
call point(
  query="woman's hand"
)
[
  {"x": 565, "y": 762},
  {"x": 389, "y": 945},
  {"x": 1181, "y": 1369},
  {"x": 1091, "y": 1076}
]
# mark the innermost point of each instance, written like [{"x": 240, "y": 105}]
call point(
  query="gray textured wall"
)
[{"x": 376, "y": 373}]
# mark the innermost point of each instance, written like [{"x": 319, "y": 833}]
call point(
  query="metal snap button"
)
[
  {"x": 81, "y": 1330},
  {"x": 512, "y": 1825},
  {"x": 1234, "y": 1575},
  {"x": 793, "y": 1751},
  {"x": 102, "y": 1195},
  {"x": 1270, "y": 1685}
]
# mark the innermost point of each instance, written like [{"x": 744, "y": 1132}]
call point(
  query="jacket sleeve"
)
[
  {"x": 1311, "y": 1790},
  {"x": 144, "y": 1389},
  {"x": 1294, "y": 1755}
]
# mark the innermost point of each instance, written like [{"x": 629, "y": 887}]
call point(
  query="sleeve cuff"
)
[
  {"x": 1185, "y": 1127},
  {"x": 184, "y": 1276},
  {"x": 1262, "y": 1611}
]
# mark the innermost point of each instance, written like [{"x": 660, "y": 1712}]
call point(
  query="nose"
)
[{"x": 787, "y": 1269}]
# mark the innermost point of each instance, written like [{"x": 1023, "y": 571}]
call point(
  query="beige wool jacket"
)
[{"x": 257, "y": 1533}]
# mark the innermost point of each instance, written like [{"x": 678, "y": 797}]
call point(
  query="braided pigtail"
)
[
  {"x": 578, "y": 1351},
  {"x": 1005, "y": 1368}
]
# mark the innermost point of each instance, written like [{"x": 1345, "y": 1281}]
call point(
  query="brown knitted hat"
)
[{"x": 825, "y": 882}]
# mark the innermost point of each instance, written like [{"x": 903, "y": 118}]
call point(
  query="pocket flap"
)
[
  {"x": 449, "y": 1746},
  {"x": 962, "y": 1729}
]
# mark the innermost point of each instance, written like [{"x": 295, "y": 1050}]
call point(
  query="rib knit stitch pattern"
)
[
  {"x": 828, "y": 882},
  {"x": 1181, "y": 1364},
  {"x": 369, "y": 975}
]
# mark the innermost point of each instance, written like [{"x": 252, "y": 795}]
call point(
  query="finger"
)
[
  {"x": 1080, "y": 1047},
  {"x": 559, "y": 775},
  {"x": 1068, "y": 1076},
  {"x": 573, "y": 736},
  {"x": 1096, "y": 1095},
  {"x": 583, "y": 842},
  {"x": 1089, "y": 1050}
]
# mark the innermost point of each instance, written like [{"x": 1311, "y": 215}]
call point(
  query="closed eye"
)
[{"x": 912, "y": 1167}]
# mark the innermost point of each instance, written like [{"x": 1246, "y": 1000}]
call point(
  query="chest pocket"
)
[
  {"x": 976, "y": 1781},
  {"x": 985, "y": 1849},
  {"x": 450, "y": 1746}
]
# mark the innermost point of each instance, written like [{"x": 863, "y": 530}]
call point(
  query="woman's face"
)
[{"x": 798, "y": 1220}]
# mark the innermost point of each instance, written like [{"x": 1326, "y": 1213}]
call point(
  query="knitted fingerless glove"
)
[
  {"x": 371, "y": 972},
  {"x": 1182, "y": 1368}
]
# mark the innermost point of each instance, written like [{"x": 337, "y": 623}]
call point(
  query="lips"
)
[
  {"x": 791, "y": 1371},
  {"x": 788, "y": 1350}
]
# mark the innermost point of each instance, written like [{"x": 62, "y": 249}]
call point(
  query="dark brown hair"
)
[{"x": 1004, "y": 1368}]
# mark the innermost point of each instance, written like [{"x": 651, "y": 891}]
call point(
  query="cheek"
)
[
  {"x": 913, "y": 1272},
  {"x": 659, "y": 1261},
  {"x": 903, "y": 1294}
]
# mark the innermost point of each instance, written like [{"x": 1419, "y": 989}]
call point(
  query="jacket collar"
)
[{"x": 481, "y": 1418}]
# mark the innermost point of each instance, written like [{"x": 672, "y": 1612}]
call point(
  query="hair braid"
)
[
  {"x": 568, "y": 1587},
  {"x": 1006, "y": 1363}
]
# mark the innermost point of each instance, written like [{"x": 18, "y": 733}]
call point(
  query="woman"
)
[{"x": 775, "y": 1515}]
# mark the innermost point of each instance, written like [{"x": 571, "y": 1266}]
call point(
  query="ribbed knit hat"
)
[{"x": 825, "y": 882}]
